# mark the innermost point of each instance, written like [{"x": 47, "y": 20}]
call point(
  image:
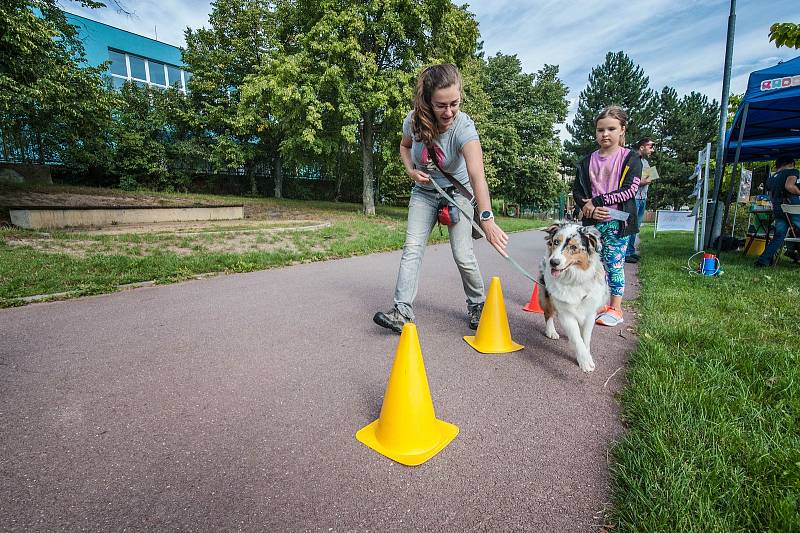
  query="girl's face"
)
[
  {"x": 445, "y": 104},
  {"x": 609, "y": 132}
]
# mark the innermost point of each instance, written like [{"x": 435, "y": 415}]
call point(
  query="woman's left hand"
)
[{"x": 496, "y": 236}]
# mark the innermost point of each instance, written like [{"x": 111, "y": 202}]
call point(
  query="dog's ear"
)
[
  {"x": 591, "y": 236},
  {"x": 552, "y": 230}
]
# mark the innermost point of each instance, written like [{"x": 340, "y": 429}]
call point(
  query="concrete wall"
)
[{"x": 62, "y": 218}]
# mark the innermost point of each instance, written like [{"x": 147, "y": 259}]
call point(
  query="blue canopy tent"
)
[{"x": 767, "y": 123}]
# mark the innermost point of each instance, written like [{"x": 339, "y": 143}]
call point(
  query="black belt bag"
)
[{"x": 447, "y": 214}]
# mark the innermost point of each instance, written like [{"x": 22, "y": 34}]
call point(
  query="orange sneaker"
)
[{"x": 609, "y": 316}]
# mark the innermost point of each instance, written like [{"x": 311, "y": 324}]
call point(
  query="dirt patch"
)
[
  {"x": 268, "y": 226},
  {"x": 255, "y": 211},
  {"x": 261, "y": 211},
  {"x": 64, "y": 199},
  {"x": 206, "y": 227},
  {"x": 231, "y": 243}
]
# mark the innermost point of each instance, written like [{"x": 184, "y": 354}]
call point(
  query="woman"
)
[
  {"x": 437, "y": 123},
  {"x": 606, "y": 182}
]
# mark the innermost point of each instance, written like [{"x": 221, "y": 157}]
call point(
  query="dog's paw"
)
[
  {"x": 550, "y": 329},
  {"x": 552, "y": 334},
  {"x": 586, "y": 364}
]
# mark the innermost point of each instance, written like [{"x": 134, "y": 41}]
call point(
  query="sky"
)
[{"x": 678, "y": 43}]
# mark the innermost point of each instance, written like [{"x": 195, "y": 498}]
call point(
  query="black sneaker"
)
[
  {"x": 392, "y": 320},
  {"x": 632, "y": 259},
  {"x": 759, "y": 264},
  {"x": 474, "y": 314}
]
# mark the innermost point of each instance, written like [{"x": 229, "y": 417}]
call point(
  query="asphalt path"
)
[{"x": 231, "y": 403}]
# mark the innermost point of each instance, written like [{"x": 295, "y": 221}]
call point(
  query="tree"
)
[
  {"x": 618, "y": 81},
  {"x": 785, "y": 34},
  {"x": 682, "y": 128},
  {"x": 239, "y": 42},
  {"x": 151, "y": 139},
  {"x": 352, "y": 64},
  {"x": 49, "y": 101},
  {"x": 520, "y": 139}
]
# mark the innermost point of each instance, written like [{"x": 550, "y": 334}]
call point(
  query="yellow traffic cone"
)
[
  {"x": 408, "y": 430},
  {"x": 493, "y": 335}
]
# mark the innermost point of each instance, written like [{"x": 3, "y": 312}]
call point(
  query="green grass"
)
[
  {"x": 99, "y": 263},
  {"x": 712, "y": 403}
]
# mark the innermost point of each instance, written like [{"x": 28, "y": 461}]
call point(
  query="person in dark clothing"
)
[{"x": 783, "y": 189}]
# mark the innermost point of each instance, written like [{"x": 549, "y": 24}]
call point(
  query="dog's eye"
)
[{"x": 556, "y": 242}]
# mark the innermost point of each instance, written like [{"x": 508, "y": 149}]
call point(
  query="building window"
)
[
  {"x": 174, "y": 75},
  {"x": 138, "y": 69},
  {"x": 118, "y": 65},
  {"x": 157, "y": 74},
  {"x": 145, "y": 72}
]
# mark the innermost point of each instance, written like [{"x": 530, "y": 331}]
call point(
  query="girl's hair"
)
[
  {"x": 423, "y": 121},
  {"x": 616, "y": 112}
]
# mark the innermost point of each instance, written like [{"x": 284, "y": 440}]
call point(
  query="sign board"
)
[{"x": 674, "y": 221}]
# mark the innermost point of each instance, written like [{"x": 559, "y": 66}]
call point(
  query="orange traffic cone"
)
[
  {"x": 493, "y": 335},
  {"x": 408, "y": 430},
  {"x": 533, "y": 306}
]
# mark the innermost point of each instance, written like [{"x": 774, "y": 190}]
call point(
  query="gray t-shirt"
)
[
  {"x": 641, "y": 194},
  {"x": 450, "y": 143}
]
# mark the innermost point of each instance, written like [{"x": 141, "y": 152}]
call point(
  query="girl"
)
[
  {"x": 608, "y": 179},
  {"x": 436, "y": 122}
]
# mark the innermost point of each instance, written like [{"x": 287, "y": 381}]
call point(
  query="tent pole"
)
[
  {"x": 736, "y": 207},
  {"x": 735, "y": 168},
  {"x": 700, "y": 212},
  {"x": 723, "y": 115},
  {"x": 704, "y": 188}
]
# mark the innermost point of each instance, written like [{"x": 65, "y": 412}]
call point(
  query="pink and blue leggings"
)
[{"x": 613, "y": 255}]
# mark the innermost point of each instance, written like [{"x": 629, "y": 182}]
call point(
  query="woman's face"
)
[
  {"x": 608, "y": 132},
  {"x": 445, "y": 104}
]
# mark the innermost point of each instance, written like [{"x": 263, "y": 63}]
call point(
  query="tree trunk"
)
[
  {"x": 278, "y": 177},
  {"x": 6, "y": 151},
  {"x": 39, "y": 147},
  {"x": 337, "y": 195},
  {"x": 367, "y": 142},
  {"x": 251, "y": 174}
]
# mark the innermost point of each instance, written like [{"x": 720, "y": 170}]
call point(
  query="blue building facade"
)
[{"x": 133, "y": 57}]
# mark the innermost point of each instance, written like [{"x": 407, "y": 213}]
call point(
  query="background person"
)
[
  {"x": 645, "y": 148},
  {"x": 783, "y": 189},
  {"x": 436, "y": 121},
  {"x": 609, "y": 178}
]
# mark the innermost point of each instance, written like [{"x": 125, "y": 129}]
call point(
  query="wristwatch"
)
[{"x": 486, "y": 215}]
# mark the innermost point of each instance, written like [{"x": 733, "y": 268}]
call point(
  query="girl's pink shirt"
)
[{"x": 604, "y": 171}]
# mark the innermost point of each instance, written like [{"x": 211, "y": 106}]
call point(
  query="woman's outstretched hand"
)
[{"x": 496, "y": 236}]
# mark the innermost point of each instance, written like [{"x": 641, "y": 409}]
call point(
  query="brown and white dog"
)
[{"x": 574, "y": 285}]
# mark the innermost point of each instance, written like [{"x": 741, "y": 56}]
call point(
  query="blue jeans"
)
[
  {"x": 781, "y": 229},
  {"x": 422, "y": 209},
  {"x": 640, "y": 205}
]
